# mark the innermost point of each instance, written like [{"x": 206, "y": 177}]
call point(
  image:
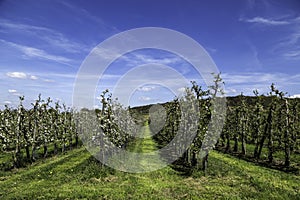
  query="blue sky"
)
[{"x": 43, "y": 43}]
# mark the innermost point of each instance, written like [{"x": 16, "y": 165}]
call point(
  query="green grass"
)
[
  {"x": 143, "y": 144},
  {"x": 77, "y": 175},
  {"x": 278, "y": 157},
  {"x": 6, "y": 157}
]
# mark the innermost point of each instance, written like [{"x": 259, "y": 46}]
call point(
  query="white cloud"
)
[
  {"x": 294, "y": 55},
  {"x": 97, "y": 107},
  {"x": 211, "y": 50},
  {"x": 148, "y": 59},
  {"x": 146, "y": 88},
  {"x": 235, "y": 83},
  {"x": 249, "y": 78},
  {"x": 21, "y": 75},
  {"x": 48, "y": 80},
  {"x": 288, "y": 45},
  {"x": 181, "y": 90},
  {"x": 231, "y": 91},
  {"x": 12, "y": 91},
  {"x": 17, "y": 94},
  {"x": 265, "y": 21},
  {"x": 136, "y": 59},
  {"x": 7, "y": 102},
  {"x": 37, "y": 53},
  {"x": 52, "y": 37},
  {"x": 107, "y": 53},
  {"x": 23, "y": 27},
  {"x": 295, "y": 96},
  {"x": 32, "y": 77},
  {"x": 143, "y": 98}
]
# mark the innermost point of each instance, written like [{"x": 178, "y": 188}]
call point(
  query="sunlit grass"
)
[{"x": 77, "y": 175}]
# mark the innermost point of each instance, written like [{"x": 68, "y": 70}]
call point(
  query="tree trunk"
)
[
  {"x": 255, "y": 153},
  {"x": 228, "y": 142},
  {"x": 33, "y": 148},
  {"x": 26, "y": 145},
  {"x": 205, "y": 163},
  {"x": 244, "y": 150},
  {"x": 266, "y": 133},
  {"x": 55, "y": 147},
  {"x": 45, "y": 151},
  {"x": 236, "y": 134},
  {"x": 243, "y": 145},
  {"x": 194, "y": 160},
  {"x": 261, "y": 144},
  {"x": 270, "y": 138},
  {"x": 17, "y": 156},
  {"x": 27, "y": 152},
  {"x": 17, "y": 153},
  {"x": 76, "y": 140},
  {"x": 236, "y": 144},
  {"x": 270, "y": 147},
  {"x": 287, "y": 150}
]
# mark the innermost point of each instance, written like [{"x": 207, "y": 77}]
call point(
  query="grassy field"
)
[
  {"x": 278, "y": 162},
  {"x": 77, "y": 175}
]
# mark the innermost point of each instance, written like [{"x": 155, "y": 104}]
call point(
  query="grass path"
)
[
  {"x": 77, "y": 175},
  {"x": 145, "y": 143},
  {"x": 140, "y": 156}
]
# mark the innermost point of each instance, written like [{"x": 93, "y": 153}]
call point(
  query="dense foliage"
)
[
  {"x": 46, "y": 127},
  {"x": 268, "y": 124},
  {"x": 26, "y": 132},
  {"x": 264, "y": 128}
]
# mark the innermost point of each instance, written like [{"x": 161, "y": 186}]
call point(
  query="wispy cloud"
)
[
  {"x": 134, "y": 59},
  {"x": 231, "y": 91},
  {"x": 265, "y": 21},
  {"x": 255, "y": 61},
  {"x": 249, "y": 78},
  {"x": 7, "y": 102},
  {"x": 32, "y": 77},
  {"x": 52, "y": 37},
  {"x": 149, "y": 59},
  {"x": 144, "y": 98},
  {"x": 247, "y": 82},
  {"x": 139, "y": 58},
  {"x": 147, "y": 88},
  {"x": 292, "y": 55},
  {"x": 12, "y": 91},
  {"x": 289, "y": 45},
  {"x": 211, "y": 50},
  {"x": 20, "y": 75},
  {"x": 37, "y": 53},
  {"x": 85, "y": 15},
  {"x": 108, "y": 53},
  {"x": 82, "y": 11},
  {"x": 181, "y": 89},
  {"x": 6, "y": 24}
]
